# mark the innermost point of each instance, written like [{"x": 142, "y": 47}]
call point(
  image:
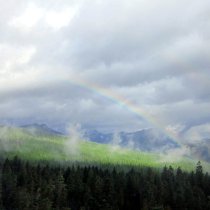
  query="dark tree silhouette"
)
[{"x": 25, "y": 186}]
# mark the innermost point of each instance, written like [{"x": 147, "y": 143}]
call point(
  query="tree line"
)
[{"x": 26, "y": 186}]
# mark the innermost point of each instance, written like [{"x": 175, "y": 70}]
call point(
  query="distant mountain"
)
[
  {"x": 62, "y": 149},
  {"x": 148, "y": 140},
  {"x": 152, "y": 148},
  {"x": 98, "y": 137},
  {"x": 39, "y": 129},
  {"x": 144, "y": 140}
]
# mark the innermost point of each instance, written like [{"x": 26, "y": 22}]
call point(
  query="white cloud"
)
[
  {"x": 60, "y": 19},
  {"x": 12, "y": 60},
  {"x": 30, "y": 17},
  {"x": 198, "y": 133},
  {"x": 175, "y": 154},
  {"x": 26, "y": 55},
  {"x": 175, "y": 129},
  {"x": 11, "y": 56},
  {"x": 34, "y": 15}
]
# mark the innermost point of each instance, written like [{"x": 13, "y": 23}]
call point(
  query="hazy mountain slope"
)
[
  {"x": 17, "y": 141},
  {"x": 200, "y": 149},
  {"x": 144, "y": 140},
  {"x": 40, "y": 129}
]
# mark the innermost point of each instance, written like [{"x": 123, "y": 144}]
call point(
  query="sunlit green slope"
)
[{"x": 16, "y": 141}]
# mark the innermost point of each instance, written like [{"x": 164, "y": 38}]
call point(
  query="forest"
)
[{"x": 27, "y": 186}]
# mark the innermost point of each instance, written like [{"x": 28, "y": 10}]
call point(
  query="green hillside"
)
[{"x": 17, "y": 141}]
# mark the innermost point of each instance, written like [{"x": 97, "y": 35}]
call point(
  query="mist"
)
[
  {"x": 115, "y": 142},
  {"x": 5, "y": 144},
  {"x": 174, "y": 155},
  {"x": 75, "y": 134}
]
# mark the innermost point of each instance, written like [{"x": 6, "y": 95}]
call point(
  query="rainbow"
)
[{"x": 124, "y": 103}]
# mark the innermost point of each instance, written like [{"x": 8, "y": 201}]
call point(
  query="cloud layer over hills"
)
[{"x": 154, "y": 54}]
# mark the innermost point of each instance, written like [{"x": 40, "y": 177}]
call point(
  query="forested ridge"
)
[{"x": 26, "y": 186}]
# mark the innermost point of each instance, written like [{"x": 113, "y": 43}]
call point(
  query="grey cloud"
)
[
  {"x": 128, "y": 33},
  {"x": 64, "y": 103},
  {"x": 154, "y": 54},
  {"x": 186, "y": 113}
]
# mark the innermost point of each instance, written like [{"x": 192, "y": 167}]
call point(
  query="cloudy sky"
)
[{"x": 64, "y": 62}]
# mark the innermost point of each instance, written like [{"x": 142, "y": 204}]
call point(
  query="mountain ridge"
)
[
  {"x": 40, "y": 129},
  {"x": 144, "y": 140}
]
